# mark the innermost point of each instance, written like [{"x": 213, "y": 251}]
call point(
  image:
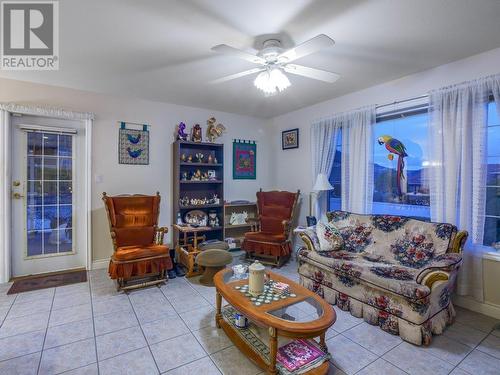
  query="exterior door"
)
[{"x": 47, "y": 195}]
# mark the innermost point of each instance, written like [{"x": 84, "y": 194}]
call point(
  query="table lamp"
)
[{"x": 321, "y": 184}]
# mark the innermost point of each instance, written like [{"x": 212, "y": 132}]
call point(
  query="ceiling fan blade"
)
[
  {"x": 237, "y": 75},
  {"x": 321, "y": 75},
  {"x": 228, "y": 50},
  {"x": 312, "y": 45}
]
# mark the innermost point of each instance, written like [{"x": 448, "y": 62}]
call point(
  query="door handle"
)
[{"x": 17, "y": 196}]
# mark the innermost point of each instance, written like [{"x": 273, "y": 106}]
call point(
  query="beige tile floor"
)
[{"x": 89, "y": 328}]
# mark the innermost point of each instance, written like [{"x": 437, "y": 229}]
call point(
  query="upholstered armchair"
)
[
  {"x": 270, "y": 239},
  {"x": 139, "y": 253}
]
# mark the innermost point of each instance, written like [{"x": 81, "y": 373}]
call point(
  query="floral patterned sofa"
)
[{"x": 393, "y": 271}]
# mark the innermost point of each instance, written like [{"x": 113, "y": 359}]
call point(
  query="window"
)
[
  {"x": 492, "y": 219},
  {"x": 408, "y": 194},
  {"x": 336, "y": 178},
  {"x": 410, "y": 128}
]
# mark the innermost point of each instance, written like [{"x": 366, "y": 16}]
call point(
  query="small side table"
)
[{"x": 186, "y": 254}]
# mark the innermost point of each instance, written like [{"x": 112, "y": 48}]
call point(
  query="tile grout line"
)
[
  {"x": 143, "y": 335},
  {"x": 93, "y": 321},
  {"x": 475, "y": 347},
  {"x": 8, "y": 310},
  {"x": 46, "y": 330}
]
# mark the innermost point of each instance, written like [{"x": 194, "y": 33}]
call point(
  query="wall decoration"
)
[
  {"x": 290, "y": 139},
  {"x": 214, "y": 131},
  {"x": 244, "y": 160},
  {"x": 133, "y": 145}
]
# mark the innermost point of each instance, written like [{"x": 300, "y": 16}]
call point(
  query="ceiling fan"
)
[{"x": 273, "y": 61}]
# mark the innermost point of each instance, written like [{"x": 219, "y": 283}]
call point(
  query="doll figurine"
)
[
  {"x": 196, "y": 135},
  {"x": 181, "y": 134}
]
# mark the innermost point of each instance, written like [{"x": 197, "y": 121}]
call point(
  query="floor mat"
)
[{"x": 48, "y": 281}]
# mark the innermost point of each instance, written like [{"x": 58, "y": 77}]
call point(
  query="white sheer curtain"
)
[
  {"x": 357, "y": 159},
  {"x": 323, "y": 142},
  {"x": 458, "y": 152}
]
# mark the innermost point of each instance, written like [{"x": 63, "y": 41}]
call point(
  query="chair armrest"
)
[
  {"x": 308, "y": 236},
  {"x": 160, "y": 234},
  {"x": 458, "y": 241},
  {"x": 439, "y": 269}
]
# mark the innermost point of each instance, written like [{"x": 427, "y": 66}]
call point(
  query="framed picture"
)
[
  {"x": 133, "y": 146},
  {"x": 244, "y": 160},
  {"x": 290, "y": 139}
]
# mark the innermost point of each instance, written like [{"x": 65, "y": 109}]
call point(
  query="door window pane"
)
[
  {"x": 50, "y": 144},
  {"x": 49, "y": 193},
  {"x": 65, "y": 168},
  {"x": 34, "y": 143},
  {"x": 49, "y": 168},
  {"x": 34, "y": 168}
]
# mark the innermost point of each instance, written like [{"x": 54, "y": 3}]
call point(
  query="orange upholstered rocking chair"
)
[
  {"x": 139, "y": 253},
  {"x": 269, "y": 239}
]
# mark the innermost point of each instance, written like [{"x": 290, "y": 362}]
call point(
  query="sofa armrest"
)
[
  {"x": 308, "y": 236},
  {"x": 458, "y": 241},
  {"x": 159, "y": 235},
  {"x": 440, "y": 268}
]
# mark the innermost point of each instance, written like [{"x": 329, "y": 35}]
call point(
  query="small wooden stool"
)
[{"x": 213, "y": 260}]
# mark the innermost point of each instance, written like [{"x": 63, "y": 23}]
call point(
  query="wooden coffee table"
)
[{"x": 281, "y": 318}]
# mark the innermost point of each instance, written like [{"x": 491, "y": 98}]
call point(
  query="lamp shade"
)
[{"x": 322, "y": 183}]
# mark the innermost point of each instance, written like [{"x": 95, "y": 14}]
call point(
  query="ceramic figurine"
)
[
  {"x": 181, "y": 134},
  {"x": 190, "y": 159},
  {"x": 179, "y": 219},
  {"x": 183, "y": 157},
  {"x": 215, "y": 199},
  {"x": 215, "y": 160},
  {"x": 199, "y": 157},
  {"x": 213, "y": 220},
  {"x": 184, "y": 176},
  {"x": 214, "y": 131},
  {"x": 196, "y": 135},
  {"x": 196, "y": 176},
  {"x": 210, "y": 159}
]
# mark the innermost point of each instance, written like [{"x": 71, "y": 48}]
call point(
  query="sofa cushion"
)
[
  {"x": 329, "y": 237},
  {"x": 358, "y": 267},
  {"x": 394, "y": 239}
]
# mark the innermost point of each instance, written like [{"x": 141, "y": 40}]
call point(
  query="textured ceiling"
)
[{"x": 160, "y": 49}]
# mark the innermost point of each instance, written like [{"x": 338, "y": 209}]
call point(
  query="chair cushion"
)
[
  {"x": 138, "y": 252},
  {"x": 271, "y": 224},
  {"x": 134, "y": 236},
  {"x": 265, "y": 237}
]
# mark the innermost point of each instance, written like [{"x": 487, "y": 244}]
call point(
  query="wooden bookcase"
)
[
  {"x": 238, "y": 231},
  {"x": 198, "y": 189}
]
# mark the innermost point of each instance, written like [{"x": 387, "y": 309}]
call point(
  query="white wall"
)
[
  {"x": 292, "y": 168},
  {"x": 163, "y": 117}
]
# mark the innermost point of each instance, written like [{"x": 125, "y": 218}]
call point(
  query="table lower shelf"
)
[{"x": 253, "y": 343}]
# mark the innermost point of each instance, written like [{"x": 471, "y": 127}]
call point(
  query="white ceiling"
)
[{"x": 160, "y": 49}]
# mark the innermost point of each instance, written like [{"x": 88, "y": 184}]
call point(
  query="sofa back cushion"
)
[{"x": 393, "y": 239}]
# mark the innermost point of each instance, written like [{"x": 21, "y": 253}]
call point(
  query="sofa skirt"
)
[
  {"x": 418, "y": 334},
  {"x": 139, "y": 268}
]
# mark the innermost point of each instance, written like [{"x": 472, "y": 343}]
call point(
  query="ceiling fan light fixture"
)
[{"x": 272, "y": 81}]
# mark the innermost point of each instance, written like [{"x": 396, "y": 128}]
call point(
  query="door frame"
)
[{"x": 6, "y": 111}]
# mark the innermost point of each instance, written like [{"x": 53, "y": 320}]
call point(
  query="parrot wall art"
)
[{"x": 395, "y": 147}]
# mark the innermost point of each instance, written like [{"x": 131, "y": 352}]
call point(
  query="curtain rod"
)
[{"x": 402, "y": 101}]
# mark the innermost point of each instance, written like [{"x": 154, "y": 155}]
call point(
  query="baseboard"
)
[
  {"x": 470, "y": 303},
  {"x": 100, "y": 264}
]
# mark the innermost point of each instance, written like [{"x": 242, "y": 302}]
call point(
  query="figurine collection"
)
[
  {"x": 186, "y": 201},
  {"x": 198, "y": 158},
  {"x": 214, "y": 131},
  {"x": 198, "y": 175}
]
